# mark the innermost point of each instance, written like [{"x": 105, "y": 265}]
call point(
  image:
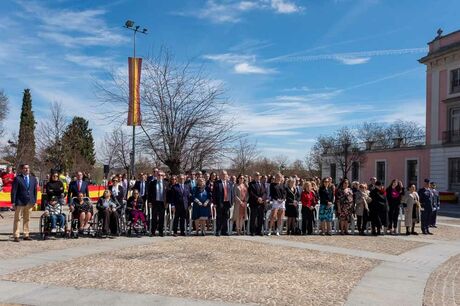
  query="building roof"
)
[
  {"x": 440, "y": 52},
  {"x": 451, "y": 43}
]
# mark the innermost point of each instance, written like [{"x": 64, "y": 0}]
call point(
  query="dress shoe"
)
[
  {"x": 16, "y": 239},
  {"x": 27, "y": 238}
]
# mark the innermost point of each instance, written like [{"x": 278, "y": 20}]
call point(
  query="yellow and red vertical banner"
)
[{"x": 134, "y": 113}]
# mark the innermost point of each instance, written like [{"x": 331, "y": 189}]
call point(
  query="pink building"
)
[{"x": 439, "y": 158}]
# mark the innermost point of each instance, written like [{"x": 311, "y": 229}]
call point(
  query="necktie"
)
[
  {"x": 161, "y": 190},
  {"x": 79, "y": 186},
  {"x": 225, "y": 191},
  {"x": 27, "y": 181},
  {"x": 142, "y": 188}
]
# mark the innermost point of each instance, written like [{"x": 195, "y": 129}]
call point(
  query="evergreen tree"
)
[
  {"x": 26, "y": 141},
  {"x": 78, "y": 146}
]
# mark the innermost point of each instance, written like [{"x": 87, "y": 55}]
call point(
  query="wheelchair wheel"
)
[{"x": 43, "y": 227}]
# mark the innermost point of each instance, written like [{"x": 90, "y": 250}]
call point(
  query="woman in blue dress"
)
[
  {"x": 201, "y": 197},
  {"x": 326, "y": 198}
]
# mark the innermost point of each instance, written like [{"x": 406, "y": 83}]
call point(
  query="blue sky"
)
[{"x": 292, "y": 69}]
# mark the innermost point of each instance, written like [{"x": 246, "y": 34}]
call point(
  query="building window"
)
[
  {"x": 333, "y": 172},
  {"x": 412, "y": 172},
  {"x": 454, "y": 174},
  {"x": 455, "y": 81},
  {"x": 380, "y": 171},
  {"x": 355, "y": 171},
  {"x": 455, "y": 119}
]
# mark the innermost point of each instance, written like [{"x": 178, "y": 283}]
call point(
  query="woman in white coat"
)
[{"x": 412, "y": 210}]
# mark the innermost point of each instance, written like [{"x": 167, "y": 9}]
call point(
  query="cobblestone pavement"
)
[
  {"x": 282, "y": 270},
  {"x": 379, "y": 245},
  {"x": 213, "y": 269},
  {"x": 443, "y": 287}
]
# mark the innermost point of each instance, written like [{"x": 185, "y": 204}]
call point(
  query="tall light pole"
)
[{"x": 129, "y": 24}]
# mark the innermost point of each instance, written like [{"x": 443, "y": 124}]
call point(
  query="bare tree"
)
[
  {"x": 343, "y": 148},
  {"x": 244, "y": 155},
  {"x": 408, "y": 131},
  {"x": 3, "y": 110},
  {"x": 264, "y": 165},
  {"x": 9, "y": 151},
  {"x": 116, "y": 149},
  {"x": 374, "y": 133},
  {"x": 183, "y": 121},
  {"x": 49, "y": 137}
]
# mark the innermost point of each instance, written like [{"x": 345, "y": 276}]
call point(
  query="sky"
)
[{"x": 292, "y": 70}]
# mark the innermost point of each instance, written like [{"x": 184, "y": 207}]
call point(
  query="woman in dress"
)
[
  {"x": 292, "y": 199},
  {"x": 308, "y": 199},
  {"x": 201, "y": 197},
  {"x": 278, "y": 197},
  {"x": 344, "y": 201},
  {"x": 82, "y": 209},
  {"x": 412, "y": 211},
  {"x": 394, "y": 193},
  {"x": 240, "y": 203},
  {"x": 326, "y": 200}
]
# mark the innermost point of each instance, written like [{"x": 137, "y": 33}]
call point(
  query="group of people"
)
[{"x": 207, "y": 194}]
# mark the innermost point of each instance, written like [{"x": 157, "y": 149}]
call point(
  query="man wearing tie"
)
[
  {"x": 142, "y": 186},
  {"x": 77, "y": 186},
  {"x": 257, "y": 197},
  {"x": 23, "y": 197},
  {"x": 156, "y": 194},
  {"x": 180, "y": 202},
  {"x": 222, "y": 196}
]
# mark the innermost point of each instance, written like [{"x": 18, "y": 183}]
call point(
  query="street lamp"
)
[{"x": 129, "y": 24}]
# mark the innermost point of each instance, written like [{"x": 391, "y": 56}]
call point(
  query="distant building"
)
[{"x": 439, "y": 158}]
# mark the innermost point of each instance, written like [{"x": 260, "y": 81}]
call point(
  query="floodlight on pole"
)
[{"x": 129, "y": 24}]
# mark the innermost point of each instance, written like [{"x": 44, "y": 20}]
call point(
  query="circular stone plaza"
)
[{"x": 276, "y": 270}]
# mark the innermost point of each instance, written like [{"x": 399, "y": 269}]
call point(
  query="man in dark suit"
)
[
  {"x": 222, "y": 196},
  {"x": 154, "y": 176},
  {"x": 257, "y": 197},
  {"x": 142, "y": 186},
  {"x": 180, "y": 202},
  {"x": 77, "y": 186},
  {"x": 157, "y": 191},
  {"x": 23, "y": 197}
]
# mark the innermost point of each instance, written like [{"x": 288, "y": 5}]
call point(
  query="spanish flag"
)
[{"x": 134, "y": 113}]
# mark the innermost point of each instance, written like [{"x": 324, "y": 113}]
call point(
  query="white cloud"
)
[
  {"x": 232, "y": 11},
  {"x": 90, "y": 61},
  {"x": 246, "y": 68},
  {"x": 285, "y": 7},
  {"x": 347, "y": 57},
  {"x": 229, "y": 58},
  {"x": 72, "y": 28},
  {"x": 411, "y": 110},
  {"x": 242, "y": 64},
  {"x": 353, "y": 60}
]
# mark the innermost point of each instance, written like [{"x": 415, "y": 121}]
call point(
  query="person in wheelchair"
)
[
  {"x": 53, "y": 210},
  {"x": 107, "y": 212},
  {"x": 82, "y": 210},
  {"x": 135, "y": 208}
]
